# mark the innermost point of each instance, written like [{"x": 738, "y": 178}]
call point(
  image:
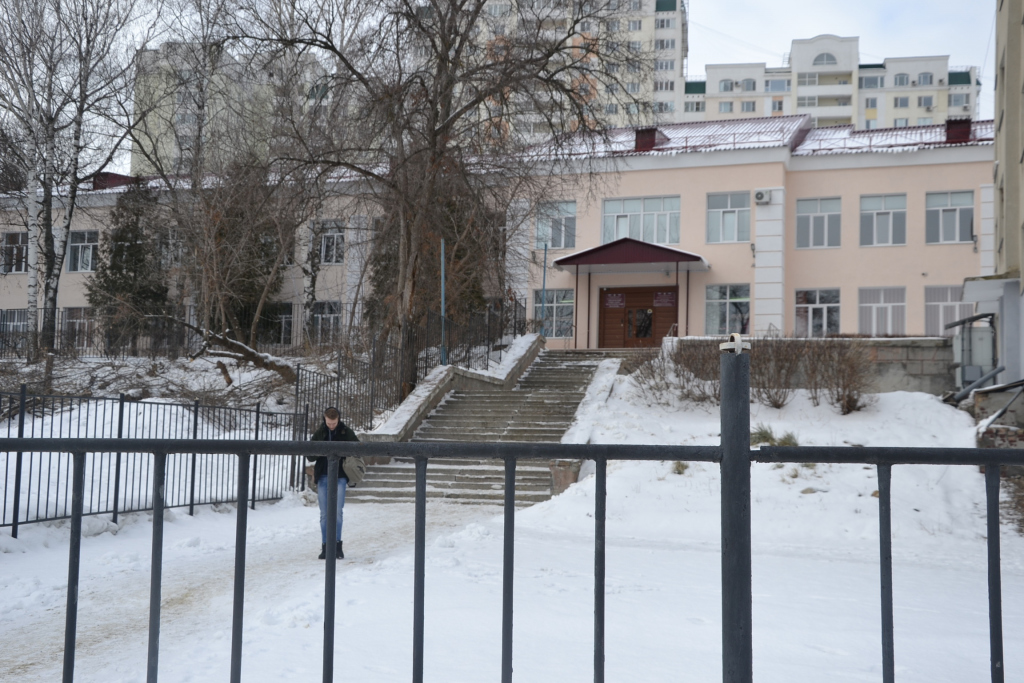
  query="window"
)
[
  {"x": 949, "y": 217},
  {"x": 633, "y": 87},
  {"x": 748, "y": 106},
  {"x": 663, "y": 107},
  {"x": 777, "y": 85},
  {"x": 871, "y": 124},
  {"x": 942, "y": 306},
  {"x": 693, "y": 106},
  {"x": 959, "y": 99},
  {"x": 326, "y": 322},
  {"x": 635, "y": 24},
  {"x": 663, "y": 86},
  {"x": 634, "y": 5},
  {"x": 869, "y": 82},
  {"x": 634, "y": 46},
  {"x": 14, "y": 252},
  {"x": 825, "y": 59},
  {"x": 664, "y": 23},
  {"x": 807, "y": 79},
  {"x": 871, "y": 103},
  {"x": 729, "y": 217},
  {"x": 817, "y": 312},
  {"x": 777, "y": 105},
  {"x": 585, "y": 27},
  {"x": 79, "y": 327},
  {"x": 612, "y": 88},
  {"x": 498, "y": 10},
  {"x": 555, "y": 308},
  {"x": 727, "y": 309},
  {"x": 926, "y": 101},
  {"x": 924, "y": 78},
  {"x": 748, "y": 85},
  {"x": 901, "y": 80},
  {"x": 900, "y": 123},
  {"x": 612, "y": 25},
  {"x": 901, "y": 102},
  {"x": 883, "y": 311},
  {"x": 817, "y": 223},
  {"x": 651, "y": 219},
  {"x": 725, "y": 107},
  {"x": 332, "y": 242},
  {"x": 811, "y": 101},
  {"x": 82, "y": 251},
  {"x": 924, "y": 121},
  {"x": 13, "y": 321},
  {"x": 664, "y": 65},
  {"x": 611, "y": 108},
  {"x": 725, "y": 86},
  {"x": 556, "y": 225},
  {"x": 665, "y": 44},
  {"x": 883, "y": 220}
]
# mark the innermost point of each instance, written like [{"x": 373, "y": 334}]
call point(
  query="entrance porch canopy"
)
[{"x": 628, "y": 255}]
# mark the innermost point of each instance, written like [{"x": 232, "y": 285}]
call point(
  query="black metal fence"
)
[
  {"x": 36, "y": 485},
  {"x": 734, "y": 456}
]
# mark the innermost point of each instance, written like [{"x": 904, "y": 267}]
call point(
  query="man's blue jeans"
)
[{"x": 321, "y": 497}]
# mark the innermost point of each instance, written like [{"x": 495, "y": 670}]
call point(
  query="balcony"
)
[{"x": 825, "y": 90}]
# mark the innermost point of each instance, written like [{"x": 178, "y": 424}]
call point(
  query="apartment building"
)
[
  {"x": 759, "y": 224},
  {"x": 825, "y": 80}
]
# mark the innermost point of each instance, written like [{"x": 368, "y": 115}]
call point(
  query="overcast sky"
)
[{"x": 723, "y": 31}]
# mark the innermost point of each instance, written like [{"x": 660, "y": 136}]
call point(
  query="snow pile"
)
[{"x": 510, "y": 357}]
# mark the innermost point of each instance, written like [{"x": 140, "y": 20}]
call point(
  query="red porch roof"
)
[{"x": 628, "y": 255}]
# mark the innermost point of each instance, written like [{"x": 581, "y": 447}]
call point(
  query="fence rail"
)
[
  {"x": 36, "y": 484},
  {"x": 734, "y": 457}
]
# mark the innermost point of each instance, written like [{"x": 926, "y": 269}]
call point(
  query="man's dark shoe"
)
[
  {"x": 323, "y": 551},
  {"x": 341, "y": 555}
]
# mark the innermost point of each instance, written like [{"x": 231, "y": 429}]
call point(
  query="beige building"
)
[{"x": 747, "y": 226}]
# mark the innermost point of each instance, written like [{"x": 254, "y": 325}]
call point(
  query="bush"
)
[
  {"x": 846, "y": 371},
  {"x": 774, "y": 362},
  {"x": 689, "y": 371}
]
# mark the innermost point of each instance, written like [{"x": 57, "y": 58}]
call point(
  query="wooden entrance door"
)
[{"x": 633, "y": 317}]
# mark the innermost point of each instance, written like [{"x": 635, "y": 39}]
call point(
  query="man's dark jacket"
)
[{"x": 341, "y": 433}]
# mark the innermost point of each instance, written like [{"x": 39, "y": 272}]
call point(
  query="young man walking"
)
[{"x": 332, "y": 429}]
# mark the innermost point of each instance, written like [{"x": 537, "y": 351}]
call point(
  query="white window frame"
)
[
  {"x": 901, "y": 80},
  {"x": 807, "y": 101},
  {"x": 736, "y": 212},
  {"x": 697, "y": 106},
  {"x": 663, "y": 107},
  {"x": 925, "y": 78},
  {"x": 925, "y": 121},
  {"x": 635, "y": 24},
  {"x": 925, "y": 101},
  {"x": 871, "y": 82},
  {"x": 733, "y": 309},
  {"x": 556, "y": 225},
  {"x": 884, "y": 223},
  {"x": 665, "y": 44},
  {"x": 332, "y": 238},
  {"x": 326, "y": 321},
  {"x": 725, "y": 107},
  {"x": 748, "y": 85},
  {"x": 14, "y": 252},
  {"x": 871, "y": 103},
  {"x": 901, "y": 123},
  {"x": 725, "y": 85},
  {"x": 900, "y": 102},
  {"x": 817, "y": 312},
  {"x": 807, "y": 79},
  {"x": 949, "y": 217},
  {"x": 654, "y": 220},
  {"x": 942, "y": 306},
  {"x": 664, "y": 86},
  {"x": 748, "y": 106},
  {"x": 556, "y": 317},
  {"x": 611, "y": 108},
  {"x": 819, "y": 223},
  {"x": 664, "y": 65},
  {"x": 870, "y": 124},
  {"x": 777, "y": 85},
  {"x": 664, "y": 23},
  {"x": 825, "y": 59},
  {"x": 82, "y": 253},
  {"x": 633, "y": 87},
  {"x": 959, "y": 99},
  {"x": 778, "y": 105},
  {"x": 882, "y": 311}
]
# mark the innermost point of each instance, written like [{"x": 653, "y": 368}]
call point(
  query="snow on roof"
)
[
  {"x": 711, "y": 136},
  {"x": 846, "y": 140}
]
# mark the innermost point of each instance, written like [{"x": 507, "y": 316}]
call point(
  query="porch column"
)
[{"x": 769, "y": 241}]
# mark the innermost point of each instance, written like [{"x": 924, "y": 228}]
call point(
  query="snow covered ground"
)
[{"x": 816, "y": 590}]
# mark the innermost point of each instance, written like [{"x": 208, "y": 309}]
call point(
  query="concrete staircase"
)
[{"x": 539, "y": 409}]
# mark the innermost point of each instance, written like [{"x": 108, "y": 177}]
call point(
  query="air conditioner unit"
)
[
  {"x": 967, "y": 107},
  {"x": 762, "y": 196},
  {"x": 914, "y": 83},
  {"x": 942, "y": 81},
  {"x": 929, "y": 108}
]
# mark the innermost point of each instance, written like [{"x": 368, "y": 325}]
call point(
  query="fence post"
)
[
  {"x": 885, "y": 566},
  {"x": 117, "y": 461},
  {"x": 333, "y": 463},
  {"x": 74, "y": 563},
  {"x": 192, "y": 479},
  {"x": 373, "y": 378},
  {"x": 239, "y": 587},
  {"x": 256, "y": 438},
  {"x": 337, "y": 401},
  {"x": 17, "y": 463},
  {"x": 156, "y": 568},
  {"x": 507, "y": 570},
  {"x": 600, "y": 495},
  {"x": 302, "y": 461},
  {"x": 419, "y": 569},
  {"x": 995, "y": 589},
  {"x": 737, "y": 616}
]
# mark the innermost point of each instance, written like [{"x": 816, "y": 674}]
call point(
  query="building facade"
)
[{"x": 768, "y": 224}]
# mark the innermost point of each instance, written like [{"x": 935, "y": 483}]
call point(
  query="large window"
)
[
  {"x": 725, "y": 107},
  {"x": 332, "y": 242},
  {"x": 807, "y": 101},
  {"x": 900, "y": 80},
  {"x": 556, "y": 225},
  {"x": 949, "y": 217},
  {"x": 926, "y": 101},
  {"x": 82, "y": 251},
  {"x": 727, "y": 309},
  {"x": 14, "y": 252},
  {"x": 868, "y": 82},
  {"x": 825, "y": 59},
  {"x": 748, "y": 106},
  {"x": 924, "y": 78},
  {"x": 725, "y": 85},
  {"x": 652, "y": 219},
  {"x": 900, "y": 123},
  {"x": 326, "y": 322},
  {"x": 555, "y": 310},
  {"x": 748, "y": 85},
  {"x": 959, "y": 99},
  {"x": 729, "y": 217},
  {"x": 807, "y": 79},
  {"x": 817, "y": 223},
  {"x": 901, "y": 102},
  {"x": 777, "y": 85},
  {"x": 693, "y": 106},
  {"x": 665, "y": 44},
  {"x": 942, "y": 306},
  {"x": 817, "y": 312},
  {"x": 883, "y": 220},
  {"x": 883, "y": 311}
]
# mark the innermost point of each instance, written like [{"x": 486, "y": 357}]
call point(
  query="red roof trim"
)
[{"x": 627, "y": 250}]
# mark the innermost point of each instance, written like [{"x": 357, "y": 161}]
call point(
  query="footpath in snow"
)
[{"x": 815, "y": 571}]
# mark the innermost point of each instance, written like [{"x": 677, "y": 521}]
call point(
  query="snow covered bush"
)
[
  {"x": 687, "y": 371},
  {"x": 774, "y": 363}
]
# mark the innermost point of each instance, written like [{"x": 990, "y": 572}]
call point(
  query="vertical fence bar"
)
[
  {"x": 256, "y": 437},
  {"x": 737, "y": 613},
  {"x": 885, "y": 564},
  {"x": 599, "y": 527},
  {"x": 332, "y": 565},
  {"x": 17, "y": 463},
  {"x": 192, "y": 478},
  {"x": 419, "y": 570},
  {"x": 117, "y": 462},
  {"x": 507, "y": 567},
  {"x": 156, "y": 570},
  {"x": 995, "y": 587},
  {"x": 239, "y": 593},
  {"x": 74, "y": 564}
]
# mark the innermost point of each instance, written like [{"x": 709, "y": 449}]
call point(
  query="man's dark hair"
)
[{"x": 332, "y": 414}]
